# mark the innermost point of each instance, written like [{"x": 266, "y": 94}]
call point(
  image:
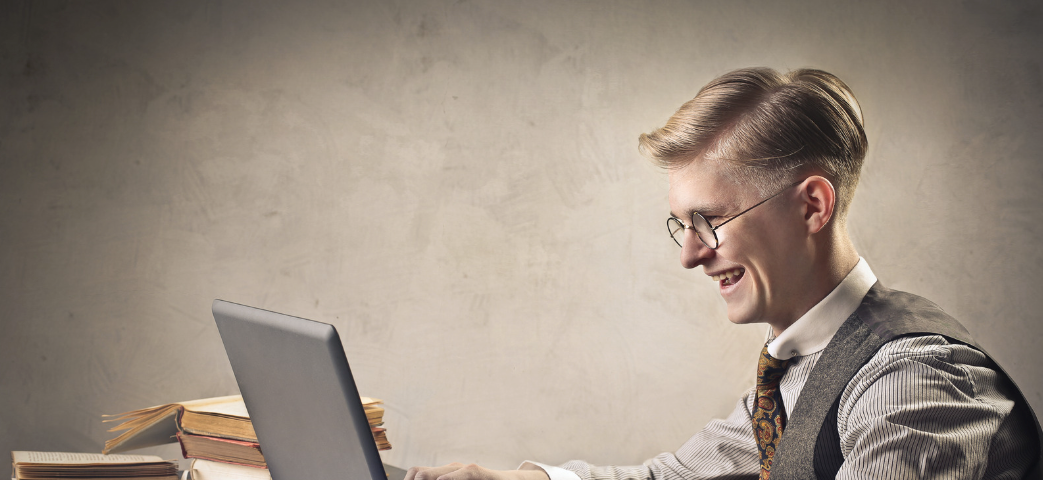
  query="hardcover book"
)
[{"x": 221, "y": 450}]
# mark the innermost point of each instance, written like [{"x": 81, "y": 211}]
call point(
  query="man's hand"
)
[{"x": 459, "y": 471}]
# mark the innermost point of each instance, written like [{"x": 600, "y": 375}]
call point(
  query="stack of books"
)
[
  {"x": 375, "y": 416},
  {"x": 213, "y": 430},
  {"x": 56, "y": 465}
]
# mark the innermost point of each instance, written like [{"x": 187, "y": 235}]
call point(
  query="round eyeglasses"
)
[{"x": 706, "y": 232}]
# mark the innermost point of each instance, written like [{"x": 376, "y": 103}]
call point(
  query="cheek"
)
[
  {"x": 760, "y": 255},
  {"x": 738, "y": 250}
]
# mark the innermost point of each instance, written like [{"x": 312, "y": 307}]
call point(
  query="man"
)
[{"x": 857, "y": 380}]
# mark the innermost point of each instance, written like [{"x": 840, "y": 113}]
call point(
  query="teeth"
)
[{"x": 730, "y": 274}]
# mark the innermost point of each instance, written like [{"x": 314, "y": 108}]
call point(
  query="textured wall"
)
[{"x": 456, "y": 186}]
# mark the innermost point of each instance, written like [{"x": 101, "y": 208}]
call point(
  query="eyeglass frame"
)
[{"x": 713, "y": 229}]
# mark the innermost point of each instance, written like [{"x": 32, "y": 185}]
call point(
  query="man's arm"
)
[
  {"x": 923, "y": 408},
  {"x": 459, "y": 471},
  {"x": 723, "y": 449}
]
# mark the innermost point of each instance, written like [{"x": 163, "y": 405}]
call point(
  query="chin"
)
[{"x": 741, "y": 318}]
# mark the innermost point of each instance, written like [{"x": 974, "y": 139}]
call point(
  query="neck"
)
[{"x": 831, "y": 258}]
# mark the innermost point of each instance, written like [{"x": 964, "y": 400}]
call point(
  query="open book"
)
[
  {"x": 224, "y": 417},
  {"x": 221, "y": 416},
  {"x": 57, "y": 465}
]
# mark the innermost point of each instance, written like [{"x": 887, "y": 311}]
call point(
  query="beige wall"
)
[{"x": 456, "y": 186}]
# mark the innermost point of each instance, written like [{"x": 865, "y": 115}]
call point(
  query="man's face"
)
[{"x": 766, "y": 246}]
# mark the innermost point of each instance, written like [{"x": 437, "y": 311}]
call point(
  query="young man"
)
[{"x": 857, "y": 381}]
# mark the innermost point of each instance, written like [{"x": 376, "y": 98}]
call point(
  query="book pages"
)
[
  {"x": 207, "y": 470},
  {"x": 62, "y": 465},
  {"x": 232, "y": 405},
  {"x": 64, "y": 458},
  {"x": 155, "y": 426}
]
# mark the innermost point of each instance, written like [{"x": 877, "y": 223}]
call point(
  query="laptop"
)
[{"x": 303, "y": 403}]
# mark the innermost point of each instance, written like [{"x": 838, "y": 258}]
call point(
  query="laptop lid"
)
[{"x": 303, "y": 403}]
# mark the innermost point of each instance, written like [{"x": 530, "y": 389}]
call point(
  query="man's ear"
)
[{"x": 819, "y": 198}]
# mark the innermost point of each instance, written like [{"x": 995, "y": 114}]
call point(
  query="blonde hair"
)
[{"x": 768, "y": 128}]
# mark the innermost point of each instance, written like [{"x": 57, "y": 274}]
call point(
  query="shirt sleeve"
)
[
  {"x": 554, "y": 473},
  {"x": 723, "y": 449},
  {"x": 923, "y": 408}
]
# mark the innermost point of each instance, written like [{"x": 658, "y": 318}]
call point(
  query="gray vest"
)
[{"x": 810, "y": 446}]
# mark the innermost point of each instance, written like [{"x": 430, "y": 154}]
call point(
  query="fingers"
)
[
  {"x": 431, "y": 473},
  {"x": 453, "y": 471},
  {"x": 471, "y": 472}
]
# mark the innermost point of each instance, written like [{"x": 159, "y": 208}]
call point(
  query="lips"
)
[{"x": 729, "y": 277}]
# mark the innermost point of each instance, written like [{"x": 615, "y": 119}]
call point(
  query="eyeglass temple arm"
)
[{"x": 754, "y": 206}]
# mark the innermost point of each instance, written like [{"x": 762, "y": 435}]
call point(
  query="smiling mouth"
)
[{"x": 729, "y": 277}]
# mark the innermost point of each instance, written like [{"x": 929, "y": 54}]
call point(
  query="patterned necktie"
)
[{"x": 769, "y": 417}]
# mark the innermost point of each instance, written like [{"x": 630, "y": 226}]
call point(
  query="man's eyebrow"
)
[{"x": 708, "y": 208}]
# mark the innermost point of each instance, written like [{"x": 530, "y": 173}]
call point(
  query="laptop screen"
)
[{"x": 302, "y": 399}]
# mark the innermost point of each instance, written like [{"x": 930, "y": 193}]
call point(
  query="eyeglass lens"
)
[{"x": 702, "y": 229}]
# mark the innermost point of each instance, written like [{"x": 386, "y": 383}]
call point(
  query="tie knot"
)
[{"x": 769, "y": 369}]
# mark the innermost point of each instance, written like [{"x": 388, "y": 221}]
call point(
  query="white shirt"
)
[{"x": 813, "y": 330}]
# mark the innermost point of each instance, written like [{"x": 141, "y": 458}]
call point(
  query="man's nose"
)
[{"x": 694, "y": 252}]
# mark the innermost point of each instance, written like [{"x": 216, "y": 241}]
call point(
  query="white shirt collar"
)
[{"x": 813, "y": 331}]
